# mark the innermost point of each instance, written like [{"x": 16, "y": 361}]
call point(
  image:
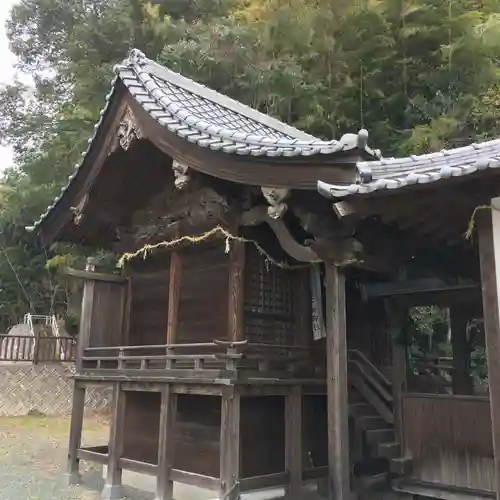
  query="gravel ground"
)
[{"x": 33, "y": 454}]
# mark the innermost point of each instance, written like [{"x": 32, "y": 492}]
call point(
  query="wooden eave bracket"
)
[{"x": 276, "y": 197}]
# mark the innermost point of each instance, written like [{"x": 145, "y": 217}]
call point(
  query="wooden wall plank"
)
[
  {"x": 336, "y": 353},
  {"x": 85, "y": 321},
  {"x": 173, "y": 297}
]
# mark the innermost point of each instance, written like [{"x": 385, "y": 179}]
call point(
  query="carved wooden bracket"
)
[
  {"x": 128, "y": 131},
  {"x": 180, "y": 173},
  {"x": 275, "y": 197}
]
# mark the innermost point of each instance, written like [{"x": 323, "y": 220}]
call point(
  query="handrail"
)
[
  {"x": 371, "y": 384},
  {"x": 373, "y": 368},
  {"x": 214, "y": 343}
]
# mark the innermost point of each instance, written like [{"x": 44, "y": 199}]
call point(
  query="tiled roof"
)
[
  {"x": 211, "y": 120},
  {"x": 397, "y": 173}
]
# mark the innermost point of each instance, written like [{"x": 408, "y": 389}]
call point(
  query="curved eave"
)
[{"x": 393, "y": 174}]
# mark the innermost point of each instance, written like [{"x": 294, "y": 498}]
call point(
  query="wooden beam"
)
[
  {"x": 395, "y": 318},
  {"x": 173, "y": 297},
  {"x": 230, "y": 445},
  {"x": 293, "y": 443},
  {"x": 336, "y": 359},
  {"x": 168, "y": 414},
  {"x": 236, "y": 291},
  {"x": 113, "y": 488},
  {"x": 488, "y": 228},
  {"x": 88, "y": 275},
  {"x": 75, "y": 436}
]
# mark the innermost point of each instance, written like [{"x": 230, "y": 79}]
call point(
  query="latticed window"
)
[{"x": 269, "y": 312}]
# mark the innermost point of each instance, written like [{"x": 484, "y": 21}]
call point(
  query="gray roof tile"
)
[{"x": 397, "y": 173}]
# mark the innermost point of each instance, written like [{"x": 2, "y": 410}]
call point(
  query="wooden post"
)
[
  {"x": 168, "y": 414},
  {"x": 113, "y": 487},
  {"x": 85, "y": 321},
  {"x": 72, "y": 475},
  {"x": 336, "y": 359},
  {"x": 293, "y": 443},
  {"x": 36, "y": 347},
  {"x": 173, "y": 297},
  {"x": 461, "y": 379},
  {"x": 230, "y": 445},
  {"x": 488, "y": 227},
  {"x": 236, "y": 291},
  {"x": 396, "y": 316}
]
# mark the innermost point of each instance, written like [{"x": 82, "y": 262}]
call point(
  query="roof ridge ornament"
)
[
  {"x": 128, "y": 131},
  {"x": 136, "y": 58}
]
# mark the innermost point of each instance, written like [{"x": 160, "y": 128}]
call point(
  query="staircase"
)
[{"x": 376, "y": 453}]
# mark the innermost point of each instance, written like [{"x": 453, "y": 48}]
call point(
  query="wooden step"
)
[
  {"x": 357, "y": 410},
  {"x": 375, "y": 437},
  {"x": 401, "y": 466},
  {"x": 389, "y": 450},
  {"x": 367, "y": 482},
  {"x": 367, "y": 422}
]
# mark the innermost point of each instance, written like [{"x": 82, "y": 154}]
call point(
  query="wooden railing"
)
[
  {"x": 37, "y": 349},
  {"x": 371, "y": 383},
  {"x": 208, "y": 359}
]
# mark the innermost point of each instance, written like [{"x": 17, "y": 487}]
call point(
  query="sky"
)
[{"x": 7, "y": 61}]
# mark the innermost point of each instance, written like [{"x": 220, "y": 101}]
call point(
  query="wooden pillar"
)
[
  {"x": 168, "y": 414},
  {"x": 336, "y": 359},
  {"x": 396, "y": 316},
  {"x": 236, "y": 325},
  {"x": 75, "y": 435},
  {"x": 230, "y": 445},
  {"x": 293, "y": 443},
  {"x": 173, "y": 297},
  {"x": 113, "y": 487},
  {"x": 461, "y": 378},
  {"x": 488, "y": 227}
]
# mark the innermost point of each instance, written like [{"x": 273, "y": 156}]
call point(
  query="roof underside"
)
[{"x": 396, "y": 173}]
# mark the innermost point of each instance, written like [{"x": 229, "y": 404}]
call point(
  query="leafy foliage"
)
[{"x": 419, "y": 74}]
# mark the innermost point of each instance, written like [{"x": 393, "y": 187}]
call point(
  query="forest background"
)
[{"x": 420, "y": 75}]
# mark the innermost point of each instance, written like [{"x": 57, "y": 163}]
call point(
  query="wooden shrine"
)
[{"x": 254, "y": 333}]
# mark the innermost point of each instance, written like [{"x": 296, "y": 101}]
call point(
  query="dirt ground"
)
[{"x": 33, "y": 454}]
